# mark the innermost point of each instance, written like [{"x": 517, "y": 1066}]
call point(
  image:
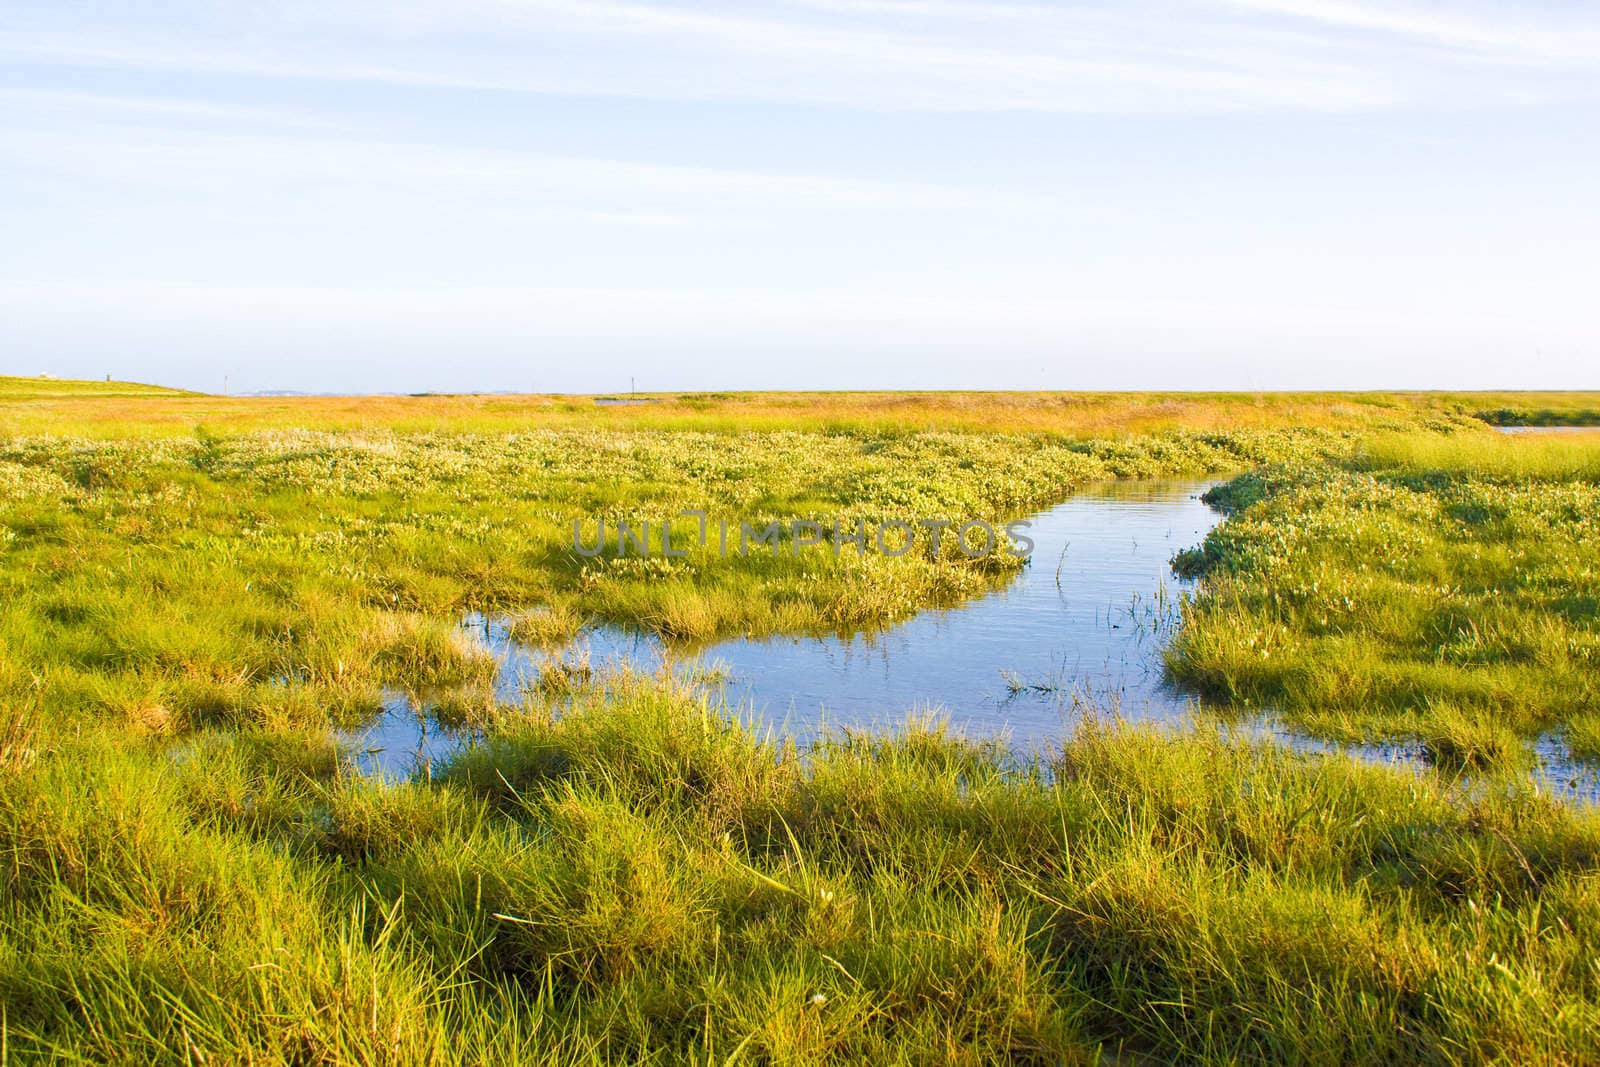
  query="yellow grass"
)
[
  {"x": 31, "y": 406},
  {"x": 44, "y": 386}
]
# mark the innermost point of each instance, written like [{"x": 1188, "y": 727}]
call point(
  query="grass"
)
[
  {"x": 1437, "y": 588},
  {"x": 197, "y": 594},
  {"x": 546, "y": 625},
  {"x": 1535, "y": 409},
  {"x": 641, "y": 878},
  {"x": 1498, "y": 458},
  {"x": 45, "y": 387},
  {"x": 86, "y": 409},
  {"x": 178, "y": 583}
]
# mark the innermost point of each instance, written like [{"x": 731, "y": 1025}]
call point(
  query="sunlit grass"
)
[
  {"x": 200, "y": 596},
  {"x": 1437, "y": 588},
  {"x": 641, "y": 877},
  {"x": 102, "y": 410},
  {"x": 178, "y": 583},
  {"x": 45, "y": 387},
  {"x": 1514, "y": 457}
]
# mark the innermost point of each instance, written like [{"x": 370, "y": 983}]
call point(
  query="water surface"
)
[
  {"x": 1519, "y": 430},
  {"x": 1082, "y": 629},
  {"x": 1084, "y": 623}
]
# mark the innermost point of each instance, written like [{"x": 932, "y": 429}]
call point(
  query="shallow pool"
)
[
  {"x": 1517, "y": 431},
  {"x": 1082, "y": 629},
  {"x": 1084, "y": 623}
]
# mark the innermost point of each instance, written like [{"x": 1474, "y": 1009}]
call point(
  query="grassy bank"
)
[
  {"x": 1537, "y": 409},
  {"x": 33, "y": 392},
  {"x": 1443, "y": 589},
  {"x": 640, "y": 879}
]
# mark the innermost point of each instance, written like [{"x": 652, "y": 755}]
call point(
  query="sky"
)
[{"x": 593, "y": 195}]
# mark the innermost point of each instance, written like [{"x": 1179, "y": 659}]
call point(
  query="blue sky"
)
[{"x": 566, "y": 195}]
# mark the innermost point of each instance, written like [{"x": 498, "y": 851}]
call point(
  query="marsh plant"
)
[
  {"x": 974, "y": 538},
  {"x": 640, "y": 877},
  {"x": 1417, "y": 590},
  {"x": 615, "y": 870}
]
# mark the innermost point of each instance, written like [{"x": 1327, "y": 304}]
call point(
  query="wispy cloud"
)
[
  {"x": 239, "y": 161},
  {"x": 54, "y": 106},
  {"x": 1503, "y": 33},
  {"x": 1144, "y": 57}
]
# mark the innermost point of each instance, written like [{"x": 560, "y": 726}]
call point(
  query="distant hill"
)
[{"x": 16, "y": 388}]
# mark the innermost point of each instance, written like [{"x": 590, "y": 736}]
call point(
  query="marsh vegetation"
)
[
  {"x": 1442, "y": 589},
  {"x": 202, "y": 597},
  {"x": 1083, "y": 624}
]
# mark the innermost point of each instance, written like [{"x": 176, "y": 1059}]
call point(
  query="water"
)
[
  {"x": 1084, "y": 626},
  {"x": 1553, "y": 770},
  {"x": 1519, "y": 430},
  {"x": 1084, "y": 623}
]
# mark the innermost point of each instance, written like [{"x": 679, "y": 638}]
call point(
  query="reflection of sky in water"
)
[
  {"x": 1087, "y": 619},
  {"x": 1553, "y": 770},
  {"x": 1517, "y": 431},
  {"x": 1085, "y": 623}
]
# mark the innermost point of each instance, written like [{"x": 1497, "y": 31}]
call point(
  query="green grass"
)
[
  {"x": 174, "y": 584},
  {"x": 1428, "y": 587},
  {"x": 1544, "y": 409},
  {"x": 1490, "y": 457},
  {"x": 618, "y": 873},
  {"x": 642, "y": 879},
  {"x": 44, "y": 387}
]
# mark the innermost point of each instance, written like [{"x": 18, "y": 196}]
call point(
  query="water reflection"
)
[
  {"x": 1083, "y": 627},
  {"x": 1084, "y": 623},
  {"x": 1517, "y": 431}
]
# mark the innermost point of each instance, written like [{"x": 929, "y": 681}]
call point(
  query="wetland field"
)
[{"x": 1265, "y": 728}]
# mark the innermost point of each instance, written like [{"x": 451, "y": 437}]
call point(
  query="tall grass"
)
[
  {"x": 1521, "y": 457},
  {"x": 642, "y": 878},
  {"x": 46, "y": 388},
  {"x": 1436, "y": 588}
]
